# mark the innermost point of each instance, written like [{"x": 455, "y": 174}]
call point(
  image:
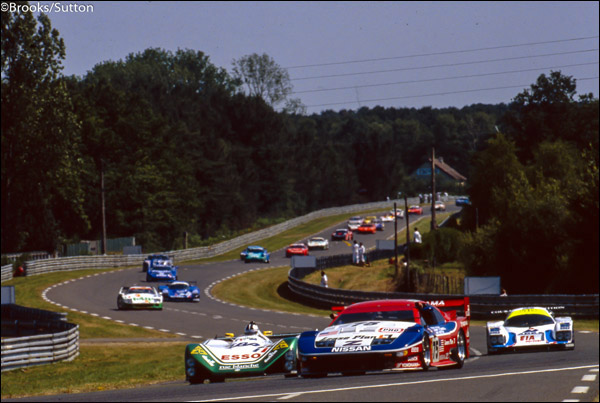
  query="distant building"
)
[{"x": 446, "y": 177}]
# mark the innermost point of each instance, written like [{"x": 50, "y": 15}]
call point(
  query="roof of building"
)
[{"x": 448, "y": 170}]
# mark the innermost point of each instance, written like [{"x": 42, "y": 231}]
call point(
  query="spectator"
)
[
  {"x": 361, "y": 254},
  {"x": 355, "y": 248},
  {"x": 417, "y": 236},
  {"x": 324, "y": 280}
]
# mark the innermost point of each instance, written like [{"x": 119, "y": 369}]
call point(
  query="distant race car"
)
[
  {"x": 156, "y": 259},
  {"x": 180, "y": 291},
  {"x": 369, "y": 219},
  {"x": 526, "y": 328},
  {"x": 367, "y": 229},
  {"x": 354, "y": 223},
  {"x": 296, "y": 249},
  {"x": 318, "y": 243},
  {"x": 415, "y": 210},
  {"x": 388, "y": 334},
  {"x": 139, "y": 297},
  {"x": 440, "y": 206},
  {"x": 342, "y": 234},
  {"x": 247, "y": 355},
  {"x": 166, "y": 272},
  {"x": 388, "y": 217},
  {"x": 462, "y": 201},
  {"x": 399, "y": 213},
  {"x": 379, "y": 225},
  {"x": 255, "y": 254}
]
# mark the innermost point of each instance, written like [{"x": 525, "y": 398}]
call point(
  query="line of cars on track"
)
[{"x": 382, "y": 335}]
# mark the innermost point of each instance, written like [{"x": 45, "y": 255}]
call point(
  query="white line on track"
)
[{"x": 466, "y": 378}]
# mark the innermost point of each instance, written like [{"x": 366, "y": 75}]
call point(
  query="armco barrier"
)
[
  {"x": 59, "y": 341},
  {"x": 482, "y": 306},
  {"x": 90, "y": 262}
]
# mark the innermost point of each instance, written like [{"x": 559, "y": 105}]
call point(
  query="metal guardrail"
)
[
  {"x": 482, "y": 306},
  {"x": 92, "y": 262},
  {"x": 59, "y": 341}
]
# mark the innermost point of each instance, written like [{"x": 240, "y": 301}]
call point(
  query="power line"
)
[
  {"x": 441, "y": 78},
  {"x": 438, "y": 94},
  {"x": 442, "y": 53},
  {"x": 444, "y": 65}
]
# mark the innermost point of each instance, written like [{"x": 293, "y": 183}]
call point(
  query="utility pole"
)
[
  {"x": 433, "y": 197},
  {"x": 395, "y": 242},
  {"x": 103, "y": 208},
  {"x": 407, "y": 252}
]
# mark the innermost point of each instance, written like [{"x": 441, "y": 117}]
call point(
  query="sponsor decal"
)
[
  {"x": 199, "y": 350},
  {"x": 347, "y": 349},
  {"x": 281, "y": 344},
  {"x": 208, "y": 360},
  {"x": 238, "y": 366},
  {"x": 437, "y": 303},
  {"x": 390, "y": 330},
  {"x": 236, "y": 357}
]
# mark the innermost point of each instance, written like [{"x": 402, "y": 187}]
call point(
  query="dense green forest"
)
[{"x": 182, "y": 147}]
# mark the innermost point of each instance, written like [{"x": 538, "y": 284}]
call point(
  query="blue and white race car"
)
[
  {"x": 526, "y": 328},
  {"x": 166, "y": 272},
  {"x": 180, "y": 291},
  {"x": 255, "y": 254},
  {"x": 156, "y": 260}
]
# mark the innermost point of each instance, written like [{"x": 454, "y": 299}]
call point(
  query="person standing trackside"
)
[
  {"x": 361, "y": 254},
  {"x": 417, "y": 236},
  {"x": 324, "y": 280},
  {"x": 355, "y": 253}
]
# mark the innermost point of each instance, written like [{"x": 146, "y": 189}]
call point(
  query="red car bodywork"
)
[
  {"x": 441, "y": 325},
  {"x": 415, "y": 210},
  {"x": 296, "y": 249},
  {"x": 367, "y": 228}
]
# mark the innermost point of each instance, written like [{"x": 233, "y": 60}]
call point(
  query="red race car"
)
[
  {"x": 415, "y": 210},
  {"x": 367, "y": 229},
  {"x": 296, "y": 249},
  {"x": 388, "y": 334},
  {"x": 342, "y": 234}
]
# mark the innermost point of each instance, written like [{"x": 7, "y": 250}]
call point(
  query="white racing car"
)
[
  {"x": 139, "y": 297},
  {"x": 318, "y": 243},
  {"x": 526, "y": 328}
]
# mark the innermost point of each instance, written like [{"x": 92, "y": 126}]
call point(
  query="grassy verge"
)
[
  {"x": 264, "y": 289},
  {"x": 100, "y": 367}
]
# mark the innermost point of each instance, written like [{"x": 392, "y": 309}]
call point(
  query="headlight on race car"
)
[
  {"x": 563, "y": 336},
  {"x": 494, "y": 340},
  {"x": 377, "y": 342},
  {"x": 190, "y": 367},
  {"x": 325, "y": 343}
]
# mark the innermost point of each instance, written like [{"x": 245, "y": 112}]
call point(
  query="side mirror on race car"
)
[
  {"x": 268, "y": 333},
  {"x": 230, "y": 335}
]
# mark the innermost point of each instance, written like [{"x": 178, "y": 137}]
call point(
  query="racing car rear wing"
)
[
  {"x": 504, "y": 311},
  {"x": 453, "y": 307}
]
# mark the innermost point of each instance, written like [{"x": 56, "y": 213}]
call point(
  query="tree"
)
[
  {"x": 266, "y": 79},
  {"x": 42, "y": 198}
]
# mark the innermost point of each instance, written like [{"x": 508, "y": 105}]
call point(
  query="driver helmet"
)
[{"x": 251, "y": 329}]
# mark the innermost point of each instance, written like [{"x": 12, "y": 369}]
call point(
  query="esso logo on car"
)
[{"x": 235, "y": 357}]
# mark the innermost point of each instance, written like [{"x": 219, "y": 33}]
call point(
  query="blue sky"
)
[{"x": 437, "y": 54}]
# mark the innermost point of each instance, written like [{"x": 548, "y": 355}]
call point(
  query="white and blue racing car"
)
[{"x": 526, "y": 328}]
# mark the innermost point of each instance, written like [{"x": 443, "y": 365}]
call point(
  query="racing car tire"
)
[
  {"x": 425, "y": 356},
  {"x": 459, "y": 353},
  {"x": 120, "y": 305}
]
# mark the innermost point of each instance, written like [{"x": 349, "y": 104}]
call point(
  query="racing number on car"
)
[{"x": 435, "y": 349}]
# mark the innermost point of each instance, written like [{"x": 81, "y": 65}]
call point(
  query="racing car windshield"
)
[
  {"x": 528, "y": 321},
  {"x": 394, "y": 316},
  {"x": 178, "y": 286}
]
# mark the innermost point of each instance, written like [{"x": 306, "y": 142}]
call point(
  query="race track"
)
[{"x": 539, "y": 376}]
